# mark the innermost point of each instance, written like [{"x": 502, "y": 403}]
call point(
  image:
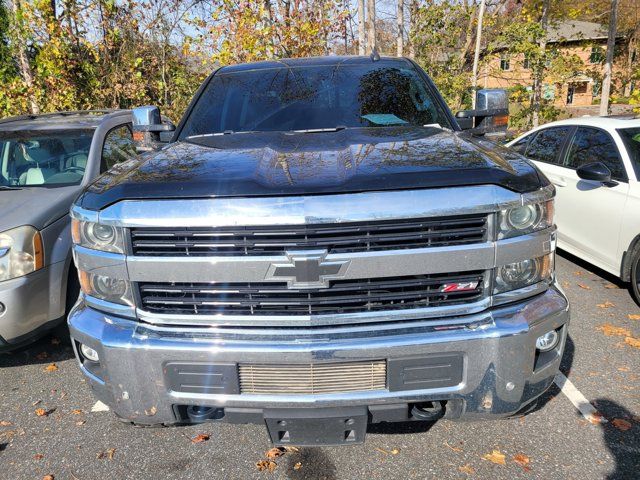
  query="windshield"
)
[
  {"x": 631, "y": 138},
  {"x": 314, "y": 98},
  {"x": 32, "y": 158}
]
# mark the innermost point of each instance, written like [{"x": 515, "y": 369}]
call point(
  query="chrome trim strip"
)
[
  {"x": 520, "y": 294},
  {"x": 100, "y": 263},
  {"x": 109, "y": 307},
  {"x": 83, "y": 214},
  {"x": 378, "y": 264},
  {"x": 317, "y": 209}
]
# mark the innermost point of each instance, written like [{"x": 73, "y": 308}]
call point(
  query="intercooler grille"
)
[
  {"x": 335, "y": 238},
  {"x": 342, "y": 296},
  {"x": 315, "y": 378}
]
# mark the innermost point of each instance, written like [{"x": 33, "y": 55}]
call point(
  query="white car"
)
[{"x": 594, "y": 162}]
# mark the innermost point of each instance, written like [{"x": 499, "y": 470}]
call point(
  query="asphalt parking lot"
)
[{"x": 602, "y": 362}]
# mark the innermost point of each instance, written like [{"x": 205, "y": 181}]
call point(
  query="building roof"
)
[
  {"x": 59, "y": 120},
  {"x": 575, "y": 30}
]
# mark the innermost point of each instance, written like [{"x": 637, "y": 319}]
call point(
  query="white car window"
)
[
  {"x": 547, "y": 144},
  {"x": 591, "y": 145}
]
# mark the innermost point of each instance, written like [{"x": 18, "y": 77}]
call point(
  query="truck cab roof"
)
[{"x": 59, "y": 120}]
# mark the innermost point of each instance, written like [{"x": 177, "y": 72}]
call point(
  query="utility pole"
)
[
  {"x": 362, "y": 42},
  {"x": 541, "y": 68},
  {"x": 371, "y": 24},
  {"x": 400, "y": 16},
  {"x": 476, "y": 55},
  {"x": 611, "y": 44},
  {"x": 23, "y": 60}
]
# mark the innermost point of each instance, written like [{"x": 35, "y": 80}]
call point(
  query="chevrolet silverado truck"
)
[{"x": 319, "y": 247}]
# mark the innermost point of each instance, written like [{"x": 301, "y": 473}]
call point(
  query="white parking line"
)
[{"x": 587, "y": 410}]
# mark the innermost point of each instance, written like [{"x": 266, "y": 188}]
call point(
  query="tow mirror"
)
[
  {"x": 596, "y": 171},
  {"x": 150, "y": 129},
  {"x": 491, "y": 114}
]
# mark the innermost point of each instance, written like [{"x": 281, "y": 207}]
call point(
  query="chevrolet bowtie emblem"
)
[{"x": 308, "y": 269}]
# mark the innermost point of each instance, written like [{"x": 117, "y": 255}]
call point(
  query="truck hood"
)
[
  {"x": 35, "y": 206},
  {"x": 346, "y": 161}
]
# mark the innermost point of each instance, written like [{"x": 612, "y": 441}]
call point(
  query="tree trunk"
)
[
  {"x": 371, "y": 24},
  {"x": 476, "y": 55},
  {"x": 362, "y": 42},
  {"x": 413, "y": 16},
  {"x": 23, "y": 60},
  {"x": 400, "y": 40},
  {"x": 608, "y": 64},
  {"x": 541, "y": 68}
]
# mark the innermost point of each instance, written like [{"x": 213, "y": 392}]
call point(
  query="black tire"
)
[
  {"x": 635, "y": 276},
  {"x": 61, "y": 331}
]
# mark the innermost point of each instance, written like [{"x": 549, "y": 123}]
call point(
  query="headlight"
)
[
  {"x": 109, "y": 289},
  {"x": 21, "y": 252},
  {"x": 97, "y": 236},
  {"x": 522, "y": 274},
  {"x": 525, "y": 219}
]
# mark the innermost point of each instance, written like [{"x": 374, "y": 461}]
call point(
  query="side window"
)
[
  {"x": 594, "y": 145},
  {"x": 521, "y": 145},
  {"x": 118, "y": 147},
  {"x": 546, "y": 145}
]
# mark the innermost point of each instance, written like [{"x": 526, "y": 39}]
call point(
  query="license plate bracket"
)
[{"x": 316, "y": 426}]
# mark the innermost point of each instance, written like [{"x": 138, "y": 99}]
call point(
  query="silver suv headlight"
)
[
  {"x": 97, "y": 236},
  {"x": 525, "y": 219},
  {"x": 21, "y": 252}
]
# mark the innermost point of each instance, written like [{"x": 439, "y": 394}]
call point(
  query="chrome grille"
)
[
  {"x": 315, "y": 378},
  {"x": 335, "y": 238},
  {"x": 342, "y": 296}
]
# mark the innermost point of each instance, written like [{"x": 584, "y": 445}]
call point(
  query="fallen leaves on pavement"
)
[
  {"x": 297, "y": 466},
  {"x": 522, "y": 460},
  {"x": 467, "y": 469},
  {"x": 267, "y": 465},
  {"x": 77, "y": 411},
  {"x": 495, "y": 457},
  {"x": 41, "y": 412},
  {"x": 611, "y": 286},
  {"x": 583, "y": 286},
  {"x": 611, "y": 330},
  {"x": 275, "y": 452},
  {"x": 5, "y": 423},
  {"x": 48, "y": 477},
  {"x": 621, "y": 424},
  {"x": 634, "y": 316},
  {"x": 606, "y": 304},
  {"x": 634, "y": 342},
  {"x": 38, "y": 456},
  {"x": 201, "y": 437},
  {"x": 52, "y": 367},
  {"x": 151, "y": 412},
  {"x": 109, "y": 453},
  {"x": 455, "y": 449}
]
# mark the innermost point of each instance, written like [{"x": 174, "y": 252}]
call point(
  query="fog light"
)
[
  {"x": 89, "y": 353},
  {"x": 548, "y": 341}
]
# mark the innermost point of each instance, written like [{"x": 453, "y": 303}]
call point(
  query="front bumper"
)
[
  {"x": 501, "y": 370},
  {"x": 31, "y": 302}
]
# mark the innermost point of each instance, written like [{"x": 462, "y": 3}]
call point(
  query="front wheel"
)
[{"x": 635, "y": 276}]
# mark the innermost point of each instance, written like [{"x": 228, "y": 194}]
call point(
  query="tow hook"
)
[{"x": 429, "y": 411}]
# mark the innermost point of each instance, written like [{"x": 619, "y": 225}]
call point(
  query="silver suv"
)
[{"x": 45, "y": 161}]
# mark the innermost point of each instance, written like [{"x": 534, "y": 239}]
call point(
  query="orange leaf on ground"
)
[
  {"x": 495, "y": 457},
  {"x": 634, "y": 342},
  {"x": 201, "y": 437},
  {"x": 455, "y": 449},
  {"x": 41, "y": 412},
  {"x": 5, "y": 423},
  {"x": 621, "y": 424},
  {"x": 467, "y": 469},
  {"x": 275, "y": 452},
  {"x": 611, "y": 330},
  {"x": 51, "y": 368},
  {"x": 633, "y": 316},
  {"x": 585, "y": 287},
  {"x": 76, "y": 411},
  {"x": 611, "y": 286},
  {"x": 107, "y": 454},
  {"x": 297, "y": 466},
  {"x": 521, "y": 459},
  {"x": 395, "y": 451},
  {"x": 268, "y": 465},
  {"x": 48, "y": 477},
  {"x": 38, "y": 456},
  {"x": 606, "y": 304}
]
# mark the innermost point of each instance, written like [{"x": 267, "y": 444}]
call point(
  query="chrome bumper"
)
[{"x": 501, "y": 371}]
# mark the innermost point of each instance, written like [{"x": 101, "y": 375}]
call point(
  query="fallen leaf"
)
[
  {"x": 292, "y": 449},
  {"x": 48, "y": 477},
  {"x": 201, "y": 437},
  {"x": 621, "y": 424},
  {"x": 41, "y": 412},
  {"x": 521, "y": 459},
  {"x": 586, "y": 287},
  {"x": 297, "y": 466},
  {"x": 606, "y": 304},
  {"x": 382, "y": 451},
  {"x": 467, "y": 470},
  {"x": 495, "y": 457},
  {"x": 596, "y": 418},
  {"x": 455, "y": 449},
  {"x": 5, "y": 423},
  {"x": 611, "y": 330},
  {"x": 81, "y": 422},
  {"x": 77, "y": 411},
  {"x": 275, "y": 452},
  {"x": 109, "y": 453},
  {"x": 395, "y": 451},
  {"x": 38, "y": 456},
  {"x": 634, "y": 342},
  {"x": 623, "y": 369},
  {"x": 151, "y": 412},
  {"x": 611, "y": 286},
  {"x": 578, "y": 273},
  {"x": 263, "y": 465},
  {"x": 634, "y": 316}
]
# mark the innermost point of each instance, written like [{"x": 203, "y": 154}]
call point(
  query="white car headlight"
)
[
  {"x": 97, "y": 236},
  {"x": 21, "y": 252},
  {"x": 525, "y": 219}
]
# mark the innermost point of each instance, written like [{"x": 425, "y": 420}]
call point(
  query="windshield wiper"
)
[
  {"x": 218, "y": 134},
  {"x": 319, "y": 130}
]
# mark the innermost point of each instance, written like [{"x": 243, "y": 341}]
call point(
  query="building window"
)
[
  {"x": 504, "y": 63},
  {"x": 597, "y": 55},
  {"x": 527, "y": 62}
]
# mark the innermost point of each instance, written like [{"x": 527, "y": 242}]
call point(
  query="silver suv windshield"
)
[{"x": 47, "y": 159}]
